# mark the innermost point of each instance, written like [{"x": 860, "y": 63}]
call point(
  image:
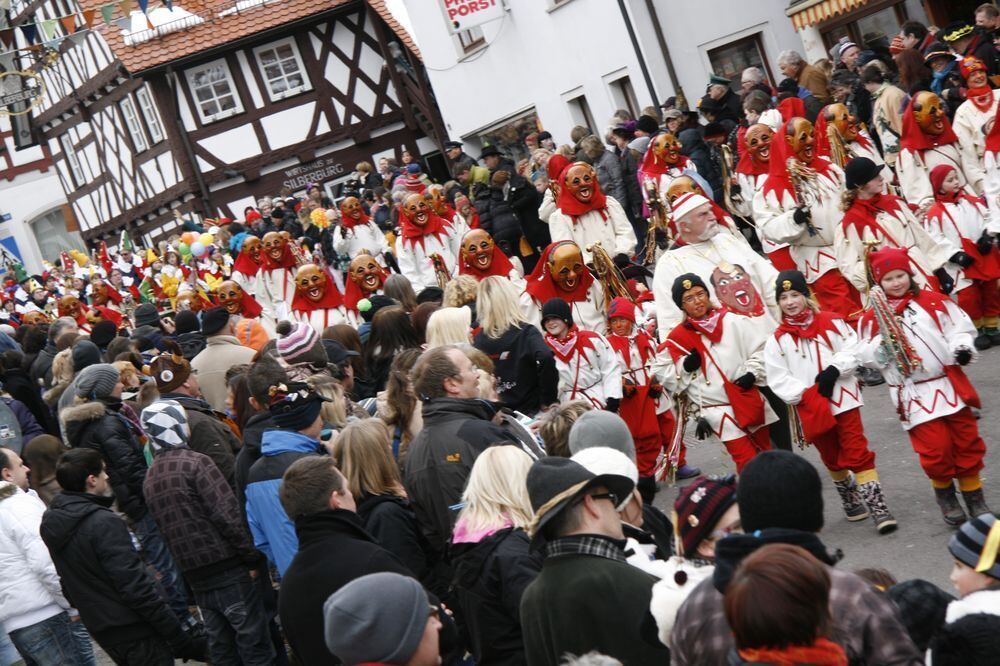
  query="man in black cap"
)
[
  {"x": 453, "y": 151},
  {"x": 966, "y": 40},
  {"x": 586, "y": 597}
]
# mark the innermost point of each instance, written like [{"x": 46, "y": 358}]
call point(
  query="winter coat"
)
[
  {"x": 391, "y": 521},
  {"x": 210, "y": 435},
  {"x": 253, "y": 431},
  {"x": 695, "y": 148},
  {"x": 272, "y": 530},
  {"x": 20, "y": 387},
  {"x": 609, "y": 177},
  {"x": 440, "y": 457},
  {"x": 815, "y": 81},
  {"x": 632, "y": 203},
  {"x": 98, "y": 425},
  {"x": 191, "y": 344},
  {"x": 498, "y": 219},
  {"x": 41, "y": 367},
  {"x": 865, "y": 623},
  {"x": 30, "y": 427},
  {"x": 102, "y": 574},
  {"x": 29, "y": 585},
  {"x": 524, "y": 366},
  {"x": 197, "y": 514},
  {"x": 525, "y": 200},
  {"x": 221, "y": 353},
  {"x": 310, "y": 580},
  {"x": 490, "y": 579}
]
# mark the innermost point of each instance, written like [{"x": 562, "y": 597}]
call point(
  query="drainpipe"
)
[
  {"x": 206, "y": 201},
  {"x": 662, "y": 42},
  {"x": 638, "y": 52}
]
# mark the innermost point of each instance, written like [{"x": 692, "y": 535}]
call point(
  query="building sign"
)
[
  {"x": 465, "y": 14},
  {"x": 19, "y": 92},
  {"x": 316, "y": 171}
]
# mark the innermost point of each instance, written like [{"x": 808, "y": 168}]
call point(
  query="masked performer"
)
[
  {"x": 586, "y": 216},
  {"x": 561, "y": 273},
  {"x": 423, "y": 233},
  {"x": 275, "y": 283},
  {"x": 480, "y": 257},
  {"x": 357, "y": 233},
  {"x": 317, "y": 301}
]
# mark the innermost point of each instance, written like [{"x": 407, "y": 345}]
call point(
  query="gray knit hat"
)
[
  {"x": 96, "y": 381},
  {"x": 968, "y": 543},
  {"x": 601, "y": 428},
  {"x": 376, "y": 618}
]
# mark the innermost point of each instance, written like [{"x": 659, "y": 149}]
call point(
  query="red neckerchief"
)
[
  {"x": 413, "y": 233},
  {"x": 914, "y": 139},
  {"x": 778, "y": 180},
  {"x": 981, "y": 98},
  {"x": 576, "y": 341},
  {"x": 652, "y": 167},
  {"x": 448, "y": 215},
  {"x": 815, "y": 324},
  {"x": 622, "y": 345},
  {"x": 710, "y": 326},
  {"x": 542, "y": 287},
  {"x": 792, "y": 107},
  {"x": 820, "y": 653},
  {"x": 863, "y": 213},
  {"x": 473, "y": 219},
  {"x": 931, "y": 301},
  {"x": 993, "y": 139},
  {"x": 349, "y": 222},
  {"x": 287, "y": 260},
  {"x": 246, "y": 265},
  {"x": 570, "y": 205},
  {"x": 500, "y": 266},
  {"x": 331, "y": 300},
  {"x": 113, "y": 316},
  {"x": 249, "y": 307}
]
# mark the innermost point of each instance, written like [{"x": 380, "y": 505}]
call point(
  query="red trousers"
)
[
  {"x": 743, "y": 449},
  {"x": 950, "y": 446},
  {"x": 846, "y": 447},
  {"x": 980, "y": 299},
  {"x": 836, "y": 294},
  {"x": 782, "y": 259},
  {"x": 648, "y": 448}
]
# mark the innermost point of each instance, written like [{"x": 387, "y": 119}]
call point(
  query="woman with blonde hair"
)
[
  {"x": 461, "y": 290},
  {"x": 492, "y": 556},
  {"x": 527, "y": 379},
  {"x": 334, "y": 412},
  {"x": 398, "y": 406},
  {"x": 363, "y": 455},
  {"x": 449, "y": 326}
]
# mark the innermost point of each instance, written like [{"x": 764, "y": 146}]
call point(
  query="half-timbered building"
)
[{"x": 202, "y": 107}]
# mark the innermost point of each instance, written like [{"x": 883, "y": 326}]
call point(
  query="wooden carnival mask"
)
[
  {"x": 187, "y": 301},
  {"x": 477, "y": 249},
  {"x": 351, "y": 207},
  {"x": 666, "y": 148},
  {"x": 840, "y": 117},
  {"x": 274, "y": 245},
  {"x": 581, "y": 181},
  {"x": 366, "y": 273},
  {"x": 69, "y": 306},
  {"x": 230, "y": 296},
  {"x": 252, "y": 247},
  {"x": 310, "y": 281},
  {"x": 735, "y": 290},
  {"x": 801, "y": 139},
  {"x": 928, "y": 113},
  {"x": 680, "y": 186},
  {"x": 758, "y": 139},
  {"x": 99, "y": 291},
  {"x": 435, "y": 196},
  {"x": 566, "y": 266},
  {"x": 34, "y": 318},
  {"x": 416, "y": 209}
]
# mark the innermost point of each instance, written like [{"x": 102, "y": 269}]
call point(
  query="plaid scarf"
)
[{"x": 593, "y": 545}]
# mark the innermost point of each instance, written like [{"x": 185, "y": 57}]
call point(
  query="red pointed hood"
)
[
  {"x": 778, "y": 180},
  {"x": 542, "y": 287},
  {"x": 350, "y": 222},
  {"x": 914, "y": 138},
  {"x": 792, "y": 107},
  {"x": 500, "y": 266},
  {"x": 653, "y": 167},
  {"x": 570, "y": 205},
  {"x": 332, "y": 298},
  {"x": 414, "y": 233}
]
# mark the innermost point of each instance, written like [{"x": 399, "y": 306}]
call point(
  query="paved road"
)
[{"x": 918, "y": 549}]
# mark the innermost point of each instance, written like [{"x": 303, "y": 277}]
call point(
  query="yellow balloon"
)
[{"x": 206, "y": 239}]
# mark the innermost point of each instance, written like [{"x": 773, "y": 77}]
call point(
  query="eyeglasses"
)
[{"x": 608, "y": 496}]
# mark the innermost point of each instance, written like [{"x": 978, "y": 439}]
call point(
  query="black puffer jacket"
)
[
  {"x": 253, "y": 431},
  {"x": 525, "y": 368},
  {"x": 102, "y": 575},
  {"x": 490, "y": 577},
  {"x": 98, "y": 425},
  {"x": 497, "y": 217},
  {"x": 394, "y": 525},
  {"x": 525, "y": 200}
]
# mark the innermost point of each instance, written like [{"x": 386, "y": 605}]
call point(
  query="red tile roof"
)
[{"x": 218, "y": 30}]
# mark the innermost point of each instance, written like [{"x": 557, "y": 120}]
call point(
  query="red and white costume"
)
[
  {"x": 861, "y": 146},
  {"x": 352, "y": 237},
  {"x": 245, "y": 271},
  {"x": 274, "y": 286},
  {"x": 588, "y": 367},
  {"x": 919, "y": 153},
  {"x": 586, "y": 300},
  {"x": 416, "y": 244},
  {"x": 328, "y": 311},
  {"x": 656, "y": 169},
  {"x": 991, "y": 179},
  {"x": 751, "y": 175},
  {"x": 501, "y": 266},
  {"x": 973, "y": 120},
  {"x": 602, "y": 220}
]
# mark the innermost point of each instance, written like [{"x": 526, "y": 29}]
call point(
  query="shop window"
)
[
  {"x": 508, "y": 134},
  {"x": 730, "y": 60}
]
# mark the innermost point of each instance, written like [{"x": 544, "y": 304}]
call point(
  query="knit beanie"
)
[
  {"x": 559, "y": 309},
  {"x": 647, "y": 124},
  {"x": 622, "y": 307},
  {"x": 860, "y": 171},
  {"x": 780, "y": 489},
  {"x": 96, "y": 381},
  {"x": 888, "y": 259},
  {"x": 103, "y": 332},
  {"x": 170, "y": 371},
  {"x": 699, "y": 507},
  {"x": 922, "y": 609},
  {"x": 165, "y": 423},
  {"x": 251, "y": 333},
  {"x": 683, "y": 284},
  {"x": 85, "y": 353},
  {"x": 361, "y": 627},
  {"x": 186, "y": 321},
  {"x": 299, "y": 343},
  {"x": 146, "y": 315},
  {"x": 601, "y": 428},
  {"x": 214, "y": 320},
  {"x": 294, "y": 406},
  {"x": 968, "y": 544},
  {"x": 791, "y": 280}
]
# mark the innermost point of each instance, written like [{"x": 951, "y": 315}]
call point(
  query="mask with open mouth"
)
[
  {"x": 417, "y": 209},
  {"x": 351, "y": 208},
  {"x": 477, "y": 249},
  {"x": 566, "y": 265},
  {"x": 69, "y": 306},
  {"x": 682, "y": 185},
  {"x": 230, "y": 296},
  {"x": 667, "y": 148},
  {"x": 311, "y": 282},
  {"x": 735, "y": 290},
  {"x": 801, "y": 139},
  {"x": 580, "y": 181},
  {"x": 435, "y": 196},
  {"x": 758, "y": 139},
  {"x": 274, "y": 245},
  {"x": 928, "y": 113},
  {"x": 839, "y": 116},
  {"x": 99, "y": 292},
  {"x": 366, "y": 273}
]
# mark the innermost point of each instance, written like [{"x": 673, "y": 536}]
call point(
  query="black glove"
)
[
  {"x": 190, "y": 647},
  {"x": 984, "y": 244},
  {"x": 947, "y": 283},
  {"x": 662, "y": 240},
  {"x": 655, "y": 390},
  {"x": 826, "y": 379},
  {"x": 621, "y": 261},
  {"x": 746, "y": 381},
  {"x": 962, "y": 259},
  {"x": 611, "y": 405},
  {"x": 802, "y": 216},
  {"x": 735, "y": 189},
  {"x": 963, "y": 356},
  {"x": 692, "y": 361}
]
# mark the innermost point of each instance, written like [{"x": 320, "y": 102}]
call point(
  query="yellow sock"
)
[
  {"x": 969, "y": 483},
  {"x": 941, "y": 483},
  {"x": 838, "y": 475},
  {"x": 990, "y": 322},
  {"x": 866, "y": 476},
  {"x": 978, "y": 323}
]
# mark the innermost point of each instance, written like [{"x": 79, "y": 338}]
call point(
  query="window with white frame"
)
[
  {"x": 76, "y": 172},
  {"x": 471, "y": 39},
  {"x": 281, "y": 66},
  {"x": 149, "y": 115},
  {"x": 214, "y": 91},
  {"x": 133, "y": 125}
]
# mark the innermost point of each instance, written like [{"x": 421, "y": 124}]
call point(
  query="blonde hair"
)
[
  {"x": 363, "y": 456},
  {"x": 459, "y": 291},
  {"x": 126, "y": 371},
  {"x": 555, "y": 424},
  {"x": 497, "y": 493},
  {"x": 365, "y": 167},
  {"x": 498, "y": 307},
  {"x": 448, "y": 326},
  {"x": 334, "y": 411}
]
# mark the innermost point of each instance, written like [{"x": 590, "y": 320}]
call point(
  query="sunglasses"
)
[{"x": 608, "y": 496}]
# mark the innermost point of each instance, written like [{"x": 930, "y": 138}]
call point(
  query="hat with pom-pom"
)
[{"x": 299, "y": 343}]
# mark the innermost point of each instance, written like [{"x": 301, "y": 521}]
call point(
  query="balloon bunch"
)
[{"x": 195, "y": 244}]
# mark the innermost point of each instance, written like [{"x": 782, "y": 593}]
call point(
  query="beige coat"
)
[{"x": 220, "y": 353}]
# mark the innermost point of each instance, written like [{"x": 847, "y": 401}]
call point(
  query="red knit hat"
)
[
  {"x": 253, "y": 215},
  {"x": 970, "y": 64},
  {"x": 887, "y": 260},
  {"x": 555, "y": 166},
  {"x": 938, "y": 174},
  {"x": 698, "y": 508},
  {"x": 622, "y": 307}
]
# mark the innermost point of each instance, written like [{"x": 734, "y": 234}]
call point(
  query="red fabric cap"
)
[
  {"x": 622, "y": 307},
  {"x": 555, "y": 166},
  {"x": 253, "y": 215},
  {"x": 938, "y": 174},
  {"x": 970, "y": 64},
  {"x": 887, "y": 260}
]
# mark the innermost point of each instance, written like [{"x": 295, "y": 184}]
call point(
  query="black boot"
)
[
  {"x": 951, "y": 510},
  {"x": 871, "y": 492},
  {"x": 982, "y": 340},
  {"x": 870, "y": 376},
  {"x": 975, "y": 502},
  {"x": 993, "y": 333},
  {"x": 854, "y": 507}
]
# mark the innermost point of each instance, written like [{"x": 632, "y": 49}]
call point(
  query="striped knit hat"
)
[
  {"x": 299, "y": 343},
  {"x": 166, "y": 425},
  {"x": 698, "y": 508},
  {"x": 976, "y": 544}
]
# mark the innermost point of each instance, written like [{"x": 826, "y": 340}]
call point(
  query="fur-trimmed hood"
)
[
  {"x": 73, "y": 420},
  {"x": 984, "y": 601}
]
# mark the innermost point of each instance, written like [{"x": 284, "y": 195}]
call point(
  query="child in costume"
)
[
  {"x": 719, "y": 359},
  {"x": 810, "y": 362},
  {"x": 921, "y": 362},
  {"x": 587, "y": 365}
]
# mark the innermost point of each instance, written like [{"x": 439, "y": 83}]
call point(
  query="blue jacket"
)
[{"x": 273, "y": 532}]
